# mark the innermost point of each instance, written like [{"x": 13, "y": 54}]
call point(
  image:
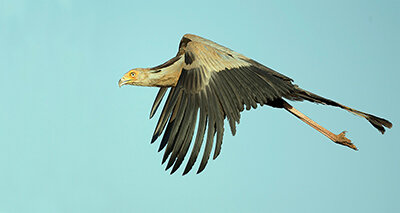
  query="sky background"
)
[{"x": 72, "y": 141}]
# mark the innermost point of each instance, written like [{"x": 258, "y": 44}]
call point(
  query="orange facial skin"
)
[{"x": 128, "y": 78}]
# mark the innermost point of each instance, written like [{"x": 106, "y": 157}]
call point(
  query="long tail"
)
[{"x": 377, "y": 122}]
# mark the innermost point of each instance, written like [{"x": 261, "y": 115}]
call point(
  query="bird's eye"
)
[{"x": 132, "y": 74}]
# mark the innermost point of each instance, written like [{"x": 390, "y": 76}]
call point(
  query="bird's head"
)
[{"x": 137, "y": 76}]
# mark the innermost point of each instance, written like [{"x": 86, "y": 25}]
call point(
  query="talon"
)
[{"x": 341, "y": 139}]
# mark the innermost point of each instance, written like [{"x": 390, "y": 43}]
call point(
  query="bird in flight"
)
[{"x": 209, "y": 83}]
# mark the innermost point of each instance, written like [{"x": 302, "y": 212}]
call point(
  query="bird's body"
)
[{"x": 208, "y": 83}]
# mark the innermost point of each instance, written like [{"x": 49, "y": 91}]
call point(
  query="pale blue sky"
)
[{"x": 72, "y": 141}]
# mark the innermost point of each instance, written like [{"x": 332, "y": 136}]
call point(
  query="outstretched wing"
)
[{"x": 215, "y": 83}]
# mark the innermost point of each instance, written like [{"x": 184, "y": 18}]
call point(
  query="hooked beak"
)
[
  {"x": 123, "y": 81},
  {"x": 120, "y": 83}
]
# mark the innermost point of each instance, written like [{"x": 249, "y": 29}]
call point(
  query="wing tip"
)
[
  {"x": 154, "y": 138},
  {"x": 185, "y": 171},
  {"x": 202, "y": 167}
]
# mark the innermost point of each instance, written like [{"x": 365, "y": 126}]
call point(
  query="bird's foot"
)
[{"x": 342, "y": 140}]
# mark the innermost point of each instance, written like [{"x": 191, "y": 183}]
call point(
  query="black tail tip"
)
[{"x": 379, "y": 123}]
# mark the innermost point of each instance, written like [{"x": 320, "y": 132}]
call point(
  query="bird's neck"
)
[{"x": 165, "y": 76}]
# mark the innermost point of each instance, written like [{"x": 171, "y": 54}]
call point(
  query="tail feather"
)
[{"x": 377, "y": 122}]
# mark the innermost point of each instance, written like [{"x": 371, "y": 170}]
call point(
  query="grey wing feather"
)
[
  {"x": 158, "y": 100},
  {"x": 215, "y": 84}
]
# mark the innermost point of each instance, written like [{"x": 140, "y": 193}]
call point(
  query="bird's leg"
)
[{"x": 339, "y": 139}]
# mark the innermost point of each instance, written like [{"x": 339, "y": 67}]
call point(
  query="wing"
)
[{"x": 215, "y": 83}]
